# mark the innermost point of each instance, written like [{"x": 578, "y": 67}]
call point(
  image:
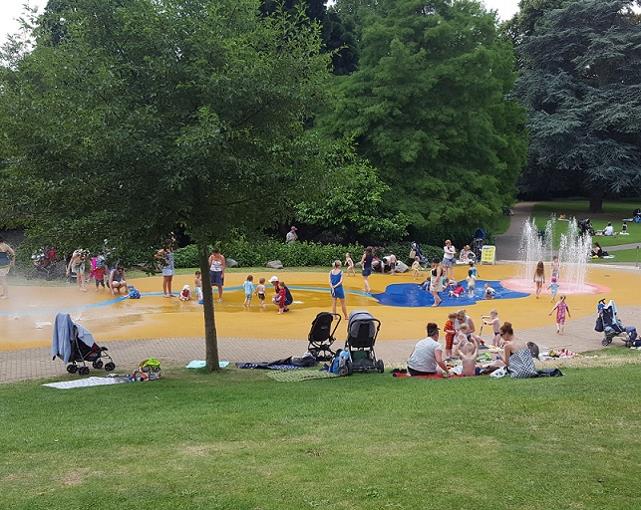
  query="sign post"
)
[{"x": 488, "y": 254}]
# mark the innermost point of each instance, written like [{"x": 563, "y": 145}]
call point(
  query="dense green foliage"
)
[
  {"x": 256, "y": 253},
  {"x": 131, "y": 118},
  {"x": 580, "y": 79},
  {"x": 427, "y": 107},
  {"x": 239, "y": 440}
]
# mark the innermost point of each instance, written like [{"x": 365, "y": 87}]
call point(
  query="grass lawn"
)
[
  {"x": 612, "y": 212},
  {"x": 621, "y": 256},
  {"x": 239, "y": 440}
]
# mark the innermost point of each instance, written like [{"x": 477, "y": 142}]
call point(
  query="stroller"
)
[
  {"x": 585, "y": 227},
  {"x": 415, "y": 251},
  {"x": 362, "y": 330},
  {"x": 321, "y": 336},
  {"x": 478, "y": 242},
  {"x": 611, "y": 326},
  {"x": 76, "y": 346}
]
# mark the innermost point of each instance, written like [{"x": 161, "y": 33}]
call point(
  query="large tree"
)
[
  {"x": 133, "y": 117},
  {"x": 580, "y": 79},
  {"x": 427, "y": 106}
]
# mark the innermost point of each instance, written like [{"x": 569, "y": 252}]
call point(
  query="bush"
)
[{"x": 300, "y": 254}]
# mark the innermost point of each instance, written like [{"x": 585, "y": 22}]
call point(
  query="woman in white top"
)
[
  {"x": 217, "y": 271},
  {"x": 448, "y": 259},
  {"x": 7, "y": 257}
]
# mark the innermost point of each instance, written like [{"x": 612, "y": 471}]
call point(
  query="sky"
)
[{"x": 11, "y": 9}]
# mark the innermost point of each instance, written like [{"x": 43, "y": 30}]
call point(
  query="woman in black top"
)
[{"x": 366, "y": 263}]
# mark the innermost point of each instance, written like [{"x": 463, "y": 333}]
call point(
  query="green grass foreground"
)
[{"x": 239, "y": 440}]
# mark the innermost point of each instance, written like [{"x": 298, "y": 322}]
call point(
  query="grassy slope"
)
[
  {"x": 612, "y": 212},
  {"x": 239, "y": 440}
]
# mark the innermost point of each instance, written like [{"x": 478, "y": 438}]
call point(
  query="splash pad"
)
[{"x": 573, "y": 256}]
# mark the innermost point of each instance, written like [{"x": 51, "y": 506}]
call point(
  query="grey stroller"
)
[
  {"x": 611, "y": 326},
  {"x": 362, "y": 330}
]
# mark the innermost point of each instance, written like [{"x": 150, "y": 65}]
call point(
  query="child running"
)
[
  {"x": 539, "y": 278},
  {"x": 260, "y": 292},
  {"x": 562, "y": 309},
  {"x": 249, "y": 288},
  {"x": 349, "y": 265},
  {"x": 449, "y": 331}
]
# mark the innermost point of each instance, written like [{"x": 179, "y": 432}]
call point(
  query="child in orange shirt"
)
[{"x": 449, "y": 331}]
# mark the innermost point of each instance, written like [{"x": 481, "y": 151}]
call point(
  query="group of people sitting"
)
[{"x": 430, "y": 357}]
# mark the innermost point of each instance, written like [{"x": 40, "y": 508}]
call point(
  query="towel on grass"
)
[
  {"x": 86, "y": 383},
  {"x": 201, "y": 363}
]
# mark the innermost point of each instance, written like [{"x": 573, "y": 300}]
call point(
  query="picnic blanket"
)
[
  {"x": 201, "y": 363},
  {"x": 86, "y": 383}
]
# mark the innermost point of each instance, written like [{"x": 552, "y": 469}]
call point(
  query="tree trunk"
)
[
  {"x": 596, "y": 201},
  {"x": 211, "y": 337}
]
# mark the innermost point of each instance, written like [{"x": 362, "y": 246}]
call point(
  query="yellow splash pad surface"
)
[{"x": 26, "y": 318}]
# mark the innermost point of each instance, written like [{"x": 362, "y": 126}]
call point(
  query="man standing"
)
[
  {"x": 291, "y": 236},
  {"x": 427, "y": 356}
]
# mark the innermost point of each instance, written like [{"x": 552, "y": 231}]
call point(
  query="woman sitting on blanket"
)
[{"x": 518, "y": 356}]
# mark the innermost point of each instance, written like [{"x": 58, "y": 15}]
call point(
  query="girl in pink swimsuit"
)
[{"x": 562, "y": 309}]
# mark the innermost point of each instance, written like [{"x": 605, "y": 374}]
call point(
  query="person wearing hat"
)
[
  {"x": 283, "y": 297},
  {"x": 291, "y": 236},
  {"x": 427, "y": 356}
]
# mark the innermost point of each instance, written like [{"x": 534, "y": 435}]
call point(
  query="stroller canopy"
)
[{"x": 63, "y": 332}]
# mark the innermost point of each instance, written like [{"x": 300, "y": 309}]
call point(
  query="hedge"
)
[{"x": 298, "y": 254}]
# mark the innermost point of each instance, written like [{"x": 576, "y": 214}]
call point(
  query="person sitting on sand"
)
[
  {"x": 518, "y": 356},
  {"x": 117, "y": 281}
]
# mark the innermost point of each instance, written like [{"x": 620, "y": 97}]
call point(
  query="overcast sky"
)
[{"x": 11, "y": 9}]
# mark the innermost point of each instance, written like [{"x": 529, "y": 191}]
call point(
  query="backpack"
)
[
  {"x": 341, "y": 363},
  {"x": 598, "y": 327}
]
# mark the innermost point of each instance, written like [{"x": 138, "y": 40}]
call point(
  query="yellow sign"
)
[{"x": 488, "y": 254}]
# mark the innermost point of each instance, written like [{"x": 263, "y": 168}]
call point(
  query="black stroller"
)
[
  {"x": 362, "y": 330},
  {"x": 611, "y": 326},
  {"x": 321, "y": 336},
  {"x": 478, "y": 242},
  {"x": 415, "y": 251},
  {"x": 76, "y": 346},
  {"x": 585, "y": 227}
]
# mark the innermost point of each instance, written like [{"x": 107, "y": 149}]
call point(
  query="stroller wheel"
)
[
  {"x": 97, "y": 364},
  {"x": 110, "y": 366},
  {"x": 72, "y": 369},
  {"x": 605, "y": 342},
  {"x": 380, "y": 366},
  {"x": 83, "y": 371}
]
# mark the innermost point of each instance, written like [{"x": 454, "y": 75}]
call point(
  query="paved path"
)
[
  {"x": 508, "y": 244},
  {"x": 36, "y": 363},
  {"x": 619, "y": 247}
]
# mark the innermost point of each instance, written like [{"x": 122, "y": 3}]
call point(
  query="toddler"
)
[
  {"x": 249, "y": 288},
  {"x": 185, "y": 294},
  {"x": 494, "y": 321},
  {"x": 489, "y": 292},
  {"x": 260, "y": 291},
  {"x": 198, "y": 286},
  {"x": 468, "y": 354},
  {"x": 449, "y": 331},
  {"x": 562, "y": 309},
  {"x": 349, "y": 265},
  {"x": 456, "y": 290},
  {"x": 553, "y": 287},
  {"x": 472, "y": 275},
  {"x": 416, "y": 267}
]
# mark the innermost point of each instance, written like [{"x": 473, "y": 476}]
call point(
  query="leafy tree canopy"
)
[
  {"x": 141, "y": 115},
  {"x": 427, "y": 107},
  {"x": 581, "y": 82}
]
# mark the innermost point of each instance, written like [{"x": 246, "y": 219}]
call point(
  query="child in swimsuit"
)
[
  {"x": 416, "y": 267},
  {"x": 468, "y": 354},
  {"x": 260, "y": 292},
  {"x": 349, "y": 265},
  {"x": 562, "y": 309},
  {"x": 494, "y": 321},
  {"x": 198, "y": 286},
  {"x": 249, "y": 288}
]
